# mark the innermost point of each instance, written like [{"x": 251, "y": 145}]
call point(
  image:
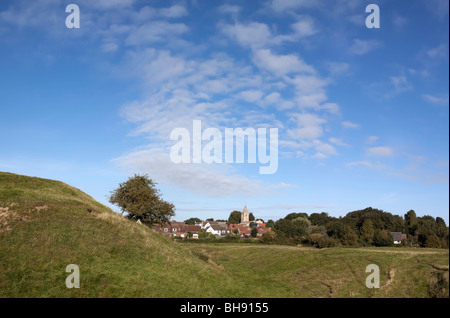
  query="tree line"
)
[{"x": 368, "y": 227}]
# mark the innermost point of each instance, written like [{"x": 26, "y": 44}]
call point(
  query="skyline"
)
[{"x": 362, "y": 114}]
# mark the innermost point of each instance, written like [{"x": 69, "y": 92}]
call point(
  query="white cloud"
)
[
  {"x": 147, "y": 13},
  {"x": 350, "y": 125},
  {"x": 229, "y": 9},
  {"x": 175, "y": 11},
  {"x": 367, "y": 164},
  {"x": 254, "y": 34},
  {"x": 209, "y": 180},
  {"x": 32, "y": 14},
  {"x": 400, "y": 21},
  {"x": 285, "y": 5},
  {"x": 108, "y": 4},
  {"x": 305, "y": 27},
  {"x": 272, "y": 98},
  {"x": 319, "y": 156},
  {"x": 338, "y": 142},
  {"x": 380, "y": 152},
  {"x": 361, "y": 47},
  {"x": 251, "y": 96},
  {"x": 337, "y": 68},
  {"x": 439, "y": 100},
  {"x": 257, "y": 35},
  {"x": 372, "y": 139},
  {"x": 276, "y": 100},
  {"x": 307, "y": 84},
  {"x": 332, "y": 108},
  {"x": 155, "y": 31},
  {"x": 324, "y": 148},
  {"x": 157, "y": 66},
  {"x": 400, "y": 83},
  {"x": 440, "y": 51},
  {"x": 357, "y": 19},
  {"x": 309, "y": 127},
  {"x": 110, "y": 46},
  {"x": 280, "y": 65},
  {"x": 313, "y": 100}
]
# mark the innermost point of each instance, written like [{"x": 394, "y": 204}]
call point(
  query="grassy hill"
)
[{"x": 45, "y": 226}]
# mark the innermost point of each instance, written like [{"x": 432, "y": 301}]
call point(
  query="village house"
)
[
  {"x": 398, "y": 237},
  {"x": 178, "y": 229},
  {"x": 245, "y": 231},
  {"x": 218, "y": 229}
]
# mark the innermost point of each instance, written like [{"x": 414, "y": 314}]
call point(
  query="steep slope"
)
[{"x": 46, "y": 225}]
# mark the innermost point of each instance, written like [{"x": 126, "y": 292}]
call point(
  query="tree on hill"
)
[
  {"x": 432, "y": 241},
  {"x": 399, "y": 224},
  {"x": 381, "y": 220},
  {"x": 270, "y": 223},
  {"x": 411, "y": 222},
  {"x": 350, "y": 237},
  {"x": 141, "y": 200},
  {"x": 301, "y": 226},
  {"x": 442, "y": 229},
  {"x": 295, "y": 227},
  {"x": 295, "y": 215},
  {"x": 319, "y": 218},
  {"x": 336, "y": 229},
  {"x": 383, "y": 238},
  {"x": 192, "y": 221},
  {"x": 367, "y": 232},
  {"x": 426, "y": 228},
  {"x": 235, "y": 217}
]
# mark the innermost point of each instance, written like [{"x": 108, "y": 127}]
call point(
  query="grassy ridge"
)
[{"x": 117, "y": 258}]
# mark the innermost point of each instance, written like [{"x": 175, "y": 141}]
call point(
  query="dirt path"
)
[
  {"x": 391, "y": 275},
  {"x": 437, "y": 267},
  {"x": 401, "y": 251}
]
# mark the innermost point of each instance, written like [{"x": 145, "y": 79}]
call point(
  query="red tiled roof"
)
[
  {"x": 262, "y": 230},
  {"x": 192, "y": 228}
]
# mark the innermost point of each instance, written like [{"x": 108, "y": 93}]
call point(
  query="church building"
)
[{"x": 245, "y": 217}]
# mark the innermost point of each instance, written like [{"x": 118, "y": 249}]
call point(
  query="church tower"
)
[{"x": 245, "y": 216}]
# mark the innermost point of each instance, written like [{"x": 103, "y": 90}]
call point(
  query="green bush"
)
[{"x": 321, "y": 241}]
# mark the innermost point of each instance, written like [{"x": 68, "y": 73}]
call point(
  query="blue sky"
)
[{"x": 362, "y": 113}]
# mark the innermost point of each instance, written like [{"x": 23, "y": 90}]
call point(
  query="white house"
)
[
  {"x": 217, "y": 229},
  {"x": 398, "y": 237}
]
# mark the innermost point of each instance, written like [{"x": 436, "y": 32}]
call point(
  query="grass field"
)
[
  {"x": 286, "y": 271},
  {"x": 45, "y": 226}
]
